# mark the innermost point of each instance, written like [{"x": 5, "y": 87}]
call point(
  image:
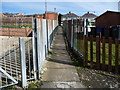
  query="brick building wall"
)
[
  {"x": 48, "y": 15},
  {"x": 51, "y": 16},
  {"x": 15, "y": 32},
  {"x": 19, "y": 21},
  {"x": 108, "y": 19},
  {"x": 39, "y": 16},
  {"x": 16, "y": 20}
]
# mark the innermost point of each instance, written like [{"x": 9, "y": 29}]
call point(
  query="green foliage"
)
[
  {"x": 80, "y": 68},
  {"x": 80, "y": 46},
  {"x": 32, "y": 85},
  {"x": 17, "y": 26},
  {"x": 11, "y": 87},
  {"x": 50, "y": 52},
  {"x": 35, "y": 85}
]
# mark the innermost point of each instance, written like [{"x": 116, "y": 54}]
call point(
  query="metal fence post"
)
[
  {"x": 72, "y": 35},
  {"x": 0, "y": 81},
  {"x": 23, "y": 62},
  {"x": 34, "y": 47},
  {"x": 47, "y": 35},
  {"x": 35, "y": 55},
  {"x": 86, "y": 27}
]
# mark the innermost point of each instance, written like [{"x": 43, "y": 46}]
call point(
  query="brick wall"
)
[
  {"x": 16, "y": 20},
  {"x": 48, "y": 15},
  {"x": 39, "y": 16},
  {"x": 108, "y": 19},
  {"x": 51, "y": 16},
  {"x": 15, "y": 32}
]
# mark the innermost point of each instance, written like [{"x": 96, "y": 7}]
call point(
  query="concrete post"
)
[{"x": 23, "y": 62}]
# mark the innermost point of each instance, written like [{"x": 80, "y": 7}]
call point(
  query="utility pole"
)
[
  {"x": 54, "y": 13},
  {"x": 54, "y": 9},
  {"x": 46, "y": 9}
]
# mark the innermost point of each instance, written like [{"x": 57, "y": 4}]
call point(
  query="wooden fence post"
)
[
  {"x": 116, "y": 55},
  {"x": 103, "y": 52},
  {"x": 91, "y": 51},
  {"x": 110, "y": 54},
  {"x": 98, "y": 52},
  {"x": 85, "y": 51}
]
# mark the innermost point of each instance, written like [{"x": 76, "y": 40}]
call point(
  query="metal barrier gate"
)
[{"x": 11, "y": 60}]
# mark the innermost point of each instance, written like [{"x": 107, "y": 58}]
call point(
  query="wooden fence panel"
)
[
  {"x": 103, "y": 53},
  {"x": 110, "y": 54},
  {"x": 91, "y": 51},
  {"x": 85, "y": 51},
  {"x": 98, "y": 52},
  {"x": 116, "y": 55}
]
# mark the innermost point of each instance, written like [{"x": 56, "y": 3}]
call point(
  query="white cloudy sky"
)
[
  {"x": 60, "y": 0},
  {"x": 77, "y": 6}
]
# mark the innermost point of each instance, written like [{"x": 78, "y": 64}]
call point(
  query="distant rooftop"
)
[
  {"x": 51, "y": 12},
  {"x": 89, "y": 15},
  {"x": 112, "y": 12},
  {"x": 70, "y": 15}
]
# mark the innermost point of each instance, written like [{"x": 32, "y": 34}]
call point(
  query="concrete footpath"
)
[{"x": 60, "y": 71}]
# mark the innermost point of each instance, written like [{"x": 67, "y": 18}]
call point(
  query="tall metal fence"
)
[
  {"x": 73, "y": 30},
  {"x": 22, "y": 58}
]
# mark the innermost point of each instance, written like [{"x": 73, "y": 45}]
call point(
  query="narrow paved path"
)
[{"x": 61, "y": 72}]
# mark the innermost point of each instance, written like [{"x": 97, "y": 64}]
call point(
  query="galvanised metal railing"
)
[
  {"x": 9, "y": 61},
  {"x": 21, "y": 59}
]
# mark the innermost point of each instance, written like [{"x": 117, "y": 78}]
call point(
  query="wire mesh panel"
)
[
  {"x": 73, "y": 29},
  {"x": 44, "y": 32},
  {"x": 29, "y": 58},
  {"x": 10, "y": 64},
  {"x": 80, "y": 45},
  {"x": 42, "y": 42},
  {"x": 50, "y": 32},
  {"x": 9, "y": 61},
  {"x": 75, "y": 34}
]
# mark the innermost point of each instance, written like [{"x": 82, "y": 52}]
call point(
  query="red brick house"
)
[
  {"x": 109, "y": 18},
  {"x": 51, "y": 15}
]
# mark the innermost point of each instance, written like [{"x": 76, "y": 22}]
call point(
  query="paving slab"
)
[
  {"x": 61, "y": 75},
  {"x": 63, "y": 85},
  {"x": 56, "y": 64}
]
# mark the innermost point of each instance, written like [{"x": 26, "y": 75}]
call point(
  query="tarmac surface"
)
[{"x": 60, "y": 71}]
